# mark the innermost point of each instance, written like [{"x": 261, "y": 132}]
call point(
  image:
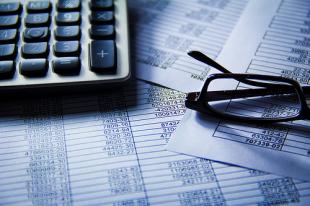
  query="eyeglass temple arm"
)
[
  {"x": 235, "y": 94},
  {"x": 205, "y": 59}
]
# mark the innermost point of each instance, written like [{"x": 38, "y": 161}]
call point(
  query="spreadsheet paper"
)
[
  {"x": 163, "y": 32},
  {"x": 109, "y": 149},
  {"x": 277, "y": 45}
]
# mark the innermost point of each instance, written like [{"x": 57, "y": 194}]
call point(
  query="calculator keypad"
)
[
  {"x": 37, "y": 20},
  {"x": 67, "y": 66},
  {"x": 33, "y": 67},
  {"x": 101, "y": 5},
  {"x": 102, "y": 32},
  {"x": 67, "y": 33},
  {"x": 102, "y": 49},
  {"x": 38, "y": 6},
  {"x": 11, "y": 21},
  {"x": 68, "y": 18},
  {"x": 40, "y": 34},
  {"x": 102, "y": 56},
  {"x": 69, "y": 5},
  {"x": 102, "y": 17},
  {"x": 35, "y": 50},
  {"x": 44, "y": 40},
  {"x": 7, "y": 51},
  {"x": 7, "y": 69},
  {"x": 67, "y": 48},
  {"x": 10, "y": 8},
  {"x": 8, "y": 36}
]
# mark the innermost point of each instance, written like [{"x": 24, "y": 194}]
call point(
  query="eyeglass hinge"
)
[{"x": 192, "y": 96}]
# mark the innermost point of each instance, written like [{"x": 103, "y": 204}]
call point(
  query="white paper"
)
[
  {"x": 267, "y": 40},
  {"x": 109, "y": 149},
  {"x": 163, "y": 32}
]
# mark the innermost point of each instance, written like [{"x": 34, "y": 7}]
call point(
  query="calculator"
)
[{"x": 63, "y": 45}]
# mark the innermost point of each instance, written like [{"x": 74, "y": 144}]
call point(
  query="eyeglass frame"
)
[{"x": 199, "y": 102}]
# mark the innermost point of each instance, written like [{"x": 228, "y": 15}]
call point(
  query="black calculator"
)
[{"x": 63, "y": 44}]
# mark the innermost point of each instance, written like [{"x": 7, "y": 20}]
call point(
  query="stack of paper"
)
[{"x": 276, "y": 45}]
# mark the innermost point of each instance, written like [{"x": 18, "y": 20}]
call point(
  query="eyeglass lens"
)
[{"x": 279, "y": 101}]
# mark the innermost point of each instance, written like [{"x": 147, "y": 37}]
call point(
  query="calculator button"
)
[
  {"x": 7, "y": 69},
  {"x": 67, "y": 66},
  {"x": 67, "y": 33},
  {"x": 39, "y": 34},
  {"x": 102, "y": 56},
  {"x": 102, "y": 32},
  {"x": 37, "y": 20},
  {"x": 10, "y": 8},
  {"x": 9, "y": 21},
  {"x": 7, "y": 51},
  {"x": 8, "y": 36},
  {"x": 68, "y": 18},
  {"x": 33, "y": 67},
  {"x": 69, "y": 5},
  {"x": 67, "y": 48},
  {"x": 38, "y": 6},
  {"x": 101, "y": 4},
  {"x": 35, "y": 50},
  {"x": 101, "y": 17}
]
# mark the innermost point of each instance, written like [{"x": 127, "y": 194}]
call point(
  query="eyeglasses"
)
[{"x": 258, "y": 98}]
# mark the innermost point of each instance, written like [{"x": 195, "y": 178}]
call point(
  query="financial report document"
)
[
  {"x": 164, "y": 31},
  {"x": 278, "y": 44},
  {"x": 109, "y": 149}
]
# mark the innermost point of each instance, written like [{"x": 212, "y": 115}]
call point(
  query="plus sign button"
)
[{"x": 102, "y": 56}]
